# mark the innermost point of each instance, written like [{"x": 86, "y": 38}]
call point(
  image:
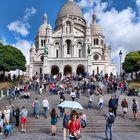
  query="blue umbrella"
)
[{"x": 71, "y": 104}]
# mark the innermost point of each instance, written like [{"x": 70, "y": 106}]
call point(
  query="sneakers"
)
[{"x": 23, "y": 130}]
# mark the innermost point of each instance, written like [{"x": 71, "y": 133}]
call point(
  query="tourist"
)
[
  {"x": 17, "y": 115},
  {"x": 78, "y": 94},
  {"x": 135, "y": 108},
  {"x": 16, "y": 92},
  {"x": 113, "y": 105},
  {"x": 40, "y": 89},
  {"x": 100, "y": 101},
  {"x": 45, "y": 104},
  {"x": 8, "y": 130},
  {"x": 36, "y": 107},
  {"x": 54, "y": 117},
  {"x": 90, "y": 100},
  {"x": 11, "y": 107},
  {"x": 72, "y": 95},
  {"x": 117, "y": 95},
  {"x": 1, "y": 125},
  {"x": 62, "y": 98},
  {"x": 23, "y": 114},
  {"x": 6, "y": 113},
  {"x": 110, "y": 118},
  {"x": 65, "y": 123},
  {"x": 83, "y": 120},
  {"x": 124, "y": 105},
  {"x": 74, "y": 126}
]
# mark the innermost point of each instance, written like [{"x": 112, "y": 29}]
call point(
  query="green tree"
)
[
  {"x": 11, "y": 58},
  {"x": 132, "y": 62}
]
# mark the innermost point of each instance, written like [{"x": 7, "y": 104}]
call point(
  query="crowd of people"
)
[{"x": 75, "y": 86}]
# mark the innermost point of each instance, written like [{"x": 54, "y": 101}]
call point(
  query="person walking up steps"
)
[
  {"x": 45, "y": 104},
  {"x": 124, "y": 105},
  {"x": 135, "y": 108},
  {"x": 65, "y": 123},
  {"x": 110, "y": 118},
  {"x": 54, "y": 117},
  {"x": 36, "y": 108},
  {"x": 24, "y": 114}
]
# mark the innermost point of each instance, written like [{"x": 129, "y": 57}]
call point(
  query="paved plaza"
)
[{"x": 40, "y": 129}]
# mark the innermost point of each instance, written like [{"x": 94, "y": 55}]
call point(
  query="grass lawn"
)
[
  {"x": 5, "y": 85},
  {"x": 134, "y": 84}
]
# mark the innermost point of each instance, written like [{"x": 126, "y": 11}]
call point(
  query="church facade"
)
[{"x": 72, "y": 48}]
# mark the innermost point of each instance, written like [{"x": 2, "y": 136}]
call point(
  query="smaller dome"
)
[
  {"x": 42, "y": 28},
  {"x": 49, "y": 26},
  {"x": 96, "y": 29},
  {"x": 32, "y": 48}
]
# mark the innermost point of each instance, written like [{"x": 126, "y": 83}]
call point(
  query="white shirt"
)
[
  {"x": 7, "y": 113},
  {"x": 72, "y": 94},
  {"x": 45, "y": 103},
  {"x": 100, "y": 99}
]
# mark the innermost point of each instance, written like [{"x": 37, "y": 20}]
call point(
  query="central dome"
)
[{"x": 70, "y": 8}]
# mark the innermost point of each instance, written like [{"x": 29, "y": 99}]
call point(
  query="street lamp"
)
[{"x": 120, "y": 54}]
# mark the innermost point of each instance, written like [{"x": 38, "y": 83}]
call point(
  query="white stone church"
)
[{"x": 72, "y": 48}]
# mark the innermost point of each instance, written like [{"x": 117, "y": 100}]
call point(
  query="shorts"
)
[
  {"x": 125, "y": 110},
  {"x": 23, "y": 120},
  {"x": 6, "y": 120}
]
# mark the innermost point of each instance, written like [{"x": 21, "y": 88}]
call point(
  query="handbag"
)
[{"x": 77, "y": 135}]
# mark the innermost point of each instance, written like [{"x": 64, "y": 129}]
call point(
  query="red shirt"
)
[{"x": 73, "y": 126}]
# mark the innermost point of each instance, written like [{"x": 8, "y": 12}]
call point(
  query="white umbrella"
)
[{"x": 71, "y": 104}]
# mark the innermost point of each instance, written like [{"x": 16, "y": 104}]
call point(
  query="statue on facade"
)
[
  {"x": 88, "y": 50},
  {"x": 46, "y": 50}
]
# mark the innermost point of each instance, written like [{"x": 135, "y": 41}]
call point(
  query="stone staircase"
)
[{"x": 95, "y": 123}]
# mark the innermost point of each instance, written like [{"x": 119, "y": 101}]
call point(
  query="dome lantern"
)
[{"x": 45, "y": 18}]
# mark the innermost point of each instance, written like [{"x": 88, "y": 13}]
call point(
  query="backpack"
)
[
  {"x": 83, "y": 123},
  {"x": 134, "y": 106},
  {"x": 111, "y": 118}
]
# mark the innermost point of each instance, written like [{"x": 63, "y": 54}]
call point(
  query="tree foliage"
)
[
  {"x": 11, "y": 58},
  {"x": 132, "y": 62}
]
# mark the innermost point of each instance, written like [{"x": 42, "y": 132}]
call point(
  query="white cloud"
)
[
  {"x": 29, "y": 12},
  {"x": 119, "y": 27},
  {"x": 138, "y": 2},
  {"x": 18, "y": 27},
  {"x": 21, "y": 27},
  {"x": 85, "y": 3},
  {"x": 24, "y": 46}
]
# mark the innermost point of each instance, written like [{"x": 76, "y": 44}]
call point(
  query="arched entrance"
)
[
  {"x": 80, "y": 69},
  {"x": 67, "y": 70},
  {"x": 54, "y": 70}
]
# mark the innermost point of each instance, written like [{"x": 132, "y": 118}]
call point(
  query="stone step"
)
[{"x": 86, "y": 130}]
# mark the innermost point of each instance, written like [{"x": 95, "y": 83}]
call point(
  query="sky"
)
[{"x": 119, "y": 19}]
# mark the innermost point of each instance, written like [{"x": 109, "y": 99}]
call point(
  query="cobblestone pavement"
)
[{"x": 40, "y": 129}]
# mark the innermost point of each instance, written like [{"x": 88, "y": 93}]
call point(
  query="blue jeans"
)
[
  {"x": 108, "y": 126},
  {"x": 45, "y": 111},
  {"x": 72, "y": 138},
  {"x": 100, "y": 106},
  {"x": 90, "y": 106}
]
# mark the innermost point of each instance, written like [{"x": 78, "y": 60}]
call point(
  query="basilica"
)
[{"x": 72, "y": 47}]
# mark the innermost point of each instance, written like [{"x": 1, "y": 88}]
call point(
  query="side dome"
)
[
  {"x": 70, "y": 8},
  {"x": 96, "y": 29},
  {"x": 43, "y": 27}
]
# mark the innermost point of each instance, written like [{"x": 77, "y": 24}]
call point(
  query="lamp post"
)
[{"x": 120, "y": 54}]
